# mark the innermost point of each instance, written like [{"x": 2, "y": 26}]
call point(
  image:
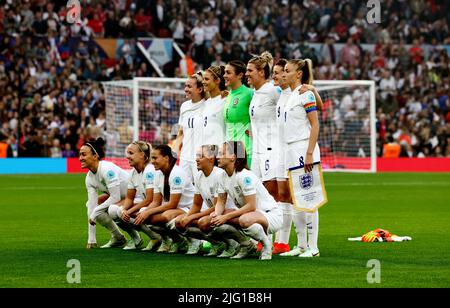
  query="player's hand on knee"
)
[{"x": 125, "y": 216}]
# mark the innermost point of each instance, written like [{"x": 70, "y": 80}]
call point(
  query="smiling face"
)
[
  {"x": 230, "y": 76},
  {"x": 159, "y": 162},
  {"x": 209, "y": 83},
  {"x": 254, "y": 76},
  {"x": 87, "y": 158},
  {"x": 193, "y": 90},
  {"x": 278, "y": 76},
  {"x": 134, "y": 155}
]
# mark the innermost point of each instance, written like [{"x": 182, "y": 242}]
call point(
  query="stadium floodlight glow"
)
[{"x": 148, "y": 109}]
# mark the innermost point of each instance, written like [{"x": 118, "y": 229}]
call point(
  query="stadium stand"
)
[{"x": 51, "y": 71}]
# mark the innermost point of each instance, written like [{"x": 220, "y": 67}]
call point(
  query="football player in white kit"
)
[
  {"x": 139, "y": 195},
  {"x": 213, "y": 119},
  {"x": 301, "y": 130},
  {"x": 172, "y": 196},
  {"x": 197, "y": 222},
  {"x": 112, "y": 181},
  {"x": 258, "y": 214},
  {"x": 191, "y": 124},
  {"x": 263, "y": 119}
]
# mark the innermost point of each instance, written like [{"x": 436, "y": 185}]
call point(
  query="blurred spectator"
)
[{"x": 391, "y": 149}]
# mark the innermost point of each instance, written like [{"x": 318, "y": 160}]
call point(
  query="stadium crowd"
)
[{"x": 51, "y": 74}]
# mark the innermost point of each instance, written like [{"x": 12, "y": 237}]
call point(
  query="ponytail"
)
[
  {"x": 166, "y": 151},
  {"x": 306, "y": 67}
]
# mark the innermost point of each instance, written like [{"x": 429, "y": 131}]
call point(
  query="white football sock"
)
[
  {"x": 313, "y": 229},
  {"x": 285, "y": 231},
  {"x": 196, "y": 233},
  {"x": 92, "y": 234},
  {"x": 108, "y": 223},
  {"x": 256, "y": 231},
  {"x": 151, "y": 234},
  {"x": 229, "y": 231},
  {"x": 299, "y": 219}
]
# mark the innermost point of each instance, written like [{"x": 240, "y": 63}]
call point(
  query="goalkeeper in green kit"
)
[{"x": 236, "y": 113}]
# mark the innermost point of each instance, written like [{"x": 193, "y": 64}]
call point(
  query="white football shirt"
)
[
  {"x": 213, "y": 121},
  {"x": 207, "y": 187},
  {"x": 191, "y": 121},
  {"x": 179, "y": 183},
  {"x": 245, "y": 183},
  {"x": 142, "y": 181},
  {"x": 108, "y": 175},
  {"x": 284, "y": 96},
  {"x": 263, "y": 118},
  {"x": 296, "y": 123}
]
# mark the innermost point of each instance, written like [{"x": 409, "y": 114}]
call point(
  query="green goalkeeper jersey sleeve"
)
[{"x": 237, "y": 118}]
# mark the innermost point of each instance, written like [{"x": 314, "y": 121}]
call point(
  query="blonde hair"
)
[
  {"x": 145, "y": 148},
  {"x": 306, "y": 67},
  {"x": 198, "y": 77},
  {"x": 263, "y": 62}
]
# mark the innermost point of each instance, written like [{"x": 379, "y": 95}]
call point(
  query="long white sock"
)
[
  {"x": 115, "y": 212},
  {"x": 151, "y": 234},
  {"x": 313, "y": 229},
  {"x": 257, "y": 232},
  {"x": 92, "y": 234},
  {"x": 105, "y": 220},
  {"x": 226, "y": 231},
  {"x": 299, "y": 219},
  {"x": 284, "y": 233},
  {"x": 196, "y": 233}
]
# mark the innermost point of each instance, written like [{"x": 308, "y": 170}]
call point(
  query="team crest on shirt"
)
[
  {"x": 306, "y": 181},
  {"x": 110, "y": 174},
  {"x": 211, "y": 189},
  {"x": 247, "y": 181},
  {"x": 311, "y": 97},
  {"x": 235, "y": 101},
  {"x": 177, "y": 180},
  {"x": 149, "y": 176}
]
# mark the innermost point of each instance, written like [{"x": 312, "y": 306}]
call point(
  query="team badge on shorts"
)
[{"x": 306, "y": 181}]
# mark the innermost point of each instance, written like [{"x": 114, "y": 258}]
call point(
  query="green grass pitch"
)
[{"x": 43, "y": 225}]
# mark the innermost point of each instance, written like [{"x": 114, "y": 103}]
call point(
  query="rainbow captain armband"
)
[{"x": 309, "y": 107}]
